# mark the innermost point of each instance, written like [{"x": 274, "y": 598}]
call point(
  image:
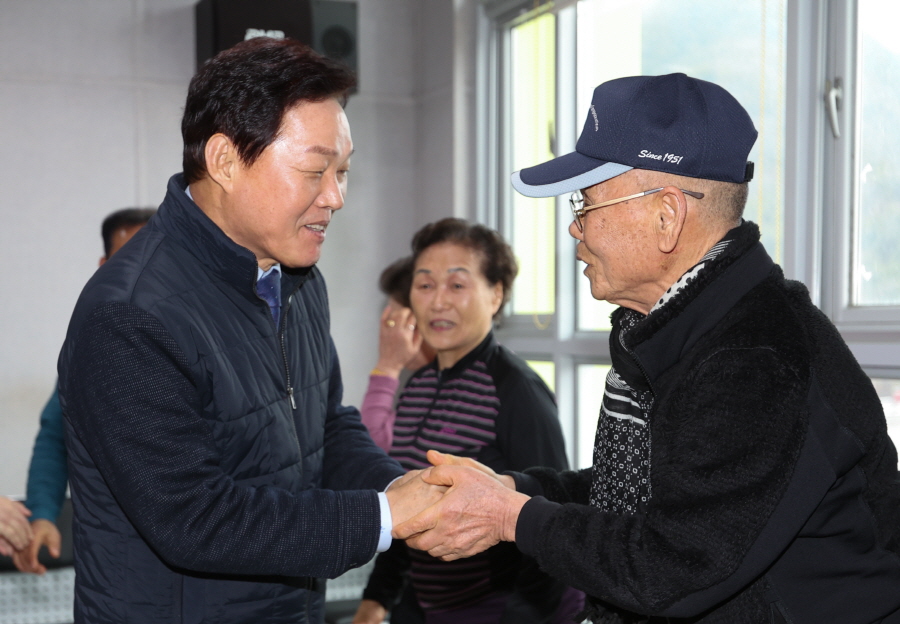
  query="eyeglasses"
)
[{"x": 576, "y": 201}]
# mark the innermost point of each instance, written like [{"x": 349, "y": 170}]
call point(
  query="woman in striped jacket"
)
[{"x": 476, "y": 399}]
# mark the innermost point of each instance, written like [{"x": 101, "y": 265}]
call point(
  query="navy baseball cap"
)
[{"x": 672, "y": 123}]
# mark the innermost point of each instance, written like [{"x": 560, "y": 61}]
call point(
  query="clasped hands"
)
[
  {"x": 21, "y": 540},
  {"x": 456, "y": 508}
]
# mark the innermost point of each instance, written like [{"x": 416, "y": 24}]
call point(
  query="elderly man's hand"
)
[
  {"x": 445, "y": 459},
  {"x": 477, "y": 512},
  {"x": 409, "y": 495}
]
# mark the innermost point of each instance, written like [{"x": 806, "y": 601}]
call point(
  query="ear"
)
[
  {"x": 496, "y": 298},
  {"x": 222, "y": 160},
  {"x": 670, "y": 216}
]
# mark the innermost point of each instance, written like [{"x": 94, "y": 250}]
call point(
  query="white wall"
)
[
  {"x": 91, "y": 93},
  {"x": 401, "y": 174}
]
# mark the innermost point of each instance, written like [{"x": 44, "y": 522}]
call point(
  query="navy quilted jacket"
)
[{"x": 200, "y": 493}]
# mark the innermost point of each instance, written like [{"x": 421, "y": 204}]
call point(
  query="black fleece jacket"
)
[{"x": 775, "y": 486}]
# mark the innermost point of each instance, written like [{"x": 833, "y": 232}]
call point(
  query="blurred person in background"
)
[{"x": 401, "y": 351}]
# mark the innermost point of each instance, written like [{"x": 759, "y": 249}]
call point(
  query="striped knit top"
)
[
  {"x": 450, "y": 414},
  {"x": 492, "y": 407}
]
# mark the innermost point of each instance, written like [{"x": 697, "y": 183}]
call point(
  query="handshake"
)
[{"x": 454, "y": 509}]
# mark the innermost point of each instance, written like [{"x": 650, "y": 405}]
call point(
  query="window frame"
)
[
  {"x": 559, "y": 341},
  {"x": 872, "y": 332}
]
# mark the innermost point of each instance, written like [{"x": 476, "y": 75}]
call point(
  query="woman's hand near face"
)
[{"x": 398, "y": 340}]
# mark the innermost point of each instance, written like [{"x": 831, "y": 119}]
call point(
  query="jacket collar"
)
[
  {"x": 481, "y": 352},
  {"x": 181, "y": 219},
  {"x": 659, "y": 340}
]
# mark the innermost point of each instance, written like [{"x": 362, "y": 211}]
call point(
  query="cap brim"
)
[{"x": 565, "y": 174}]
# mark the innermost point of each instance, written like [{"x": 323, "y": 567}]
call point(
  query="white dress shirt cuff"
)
[{"x": 387, "y": 523}]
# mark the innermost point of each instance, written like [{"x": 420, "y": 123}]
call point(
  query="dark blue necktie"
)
[{"x": 269, "y": 288}]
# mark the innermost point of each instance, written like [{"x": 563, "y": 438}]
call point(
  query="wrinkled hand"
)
[
  {"x": 445, "y": 459},
  {"x": 477, "y": 512},
  {"x": 398, "y": 339},
  {"x": 14, "y": 527},
  {"x": 409, "y": 495},
  {"x": 400, "y": 481},
  {"x": 45, "y": 534},
  {"x": 369, "y": 612}
]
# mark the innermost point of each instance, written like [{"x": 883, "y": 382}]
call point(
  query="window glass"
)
[
  {"x": 741, "y": 48},
  {"x": 591, "y": 383},
  {"x": 547, "y": 371},
  {"x": 531, "y": 138},
  {"x": 876, "y": 269},
  {"x": 889, "y": 392}
]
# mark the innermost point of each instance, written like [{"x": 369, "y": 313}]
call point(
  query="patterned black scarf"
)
[{"x": 621, "y": 471}]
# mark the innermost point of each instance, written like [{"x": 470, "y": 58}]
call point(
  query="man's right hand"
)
[
  {"x": 410, "y": 495},
  {"x": 15, "y": 532},
  {"x": 370, "y": 612},
  {"x": 45, "y": 534}
]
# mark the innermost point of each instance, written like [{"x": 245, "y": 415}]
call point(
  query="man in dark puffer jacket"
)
[
  {"x": 742, "y": 469},
  {"x": 215, "y": 475}
]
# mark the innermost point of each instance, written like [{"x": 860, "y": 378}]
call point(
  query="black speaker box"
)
[
  {"x": 328, "y": 26},
  {"x": 335, "y": 31}
]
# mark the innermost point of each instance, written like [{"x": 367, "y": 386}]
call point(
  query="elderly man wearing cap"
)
[{"x": 742, "y": 468}]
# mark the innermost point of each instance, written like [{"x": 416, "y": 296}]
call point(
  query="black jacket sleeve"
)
[
  {"x": 568, "y": 486},
  {"x": 352, "y": 459},
  {"x": 130, "y": 398}
]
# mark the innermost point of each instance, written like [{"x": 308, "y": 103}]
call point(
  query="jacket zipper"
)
[
  {"x": 279, "y": 329},
  {"x": 284, "y": 358},
  {"x": 287, "y": 379},
  {"x": 437, "y": 392}
]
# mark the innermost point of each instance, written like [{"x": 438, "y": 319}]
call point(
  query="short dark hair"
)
[
  {"x": 244, "y": 91},
  {"x": 498, "y": 263},
  {"x": 126, "y": 217},
  {"x": 736, "y": 200},
  {"x": 396, "y": 280}
]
